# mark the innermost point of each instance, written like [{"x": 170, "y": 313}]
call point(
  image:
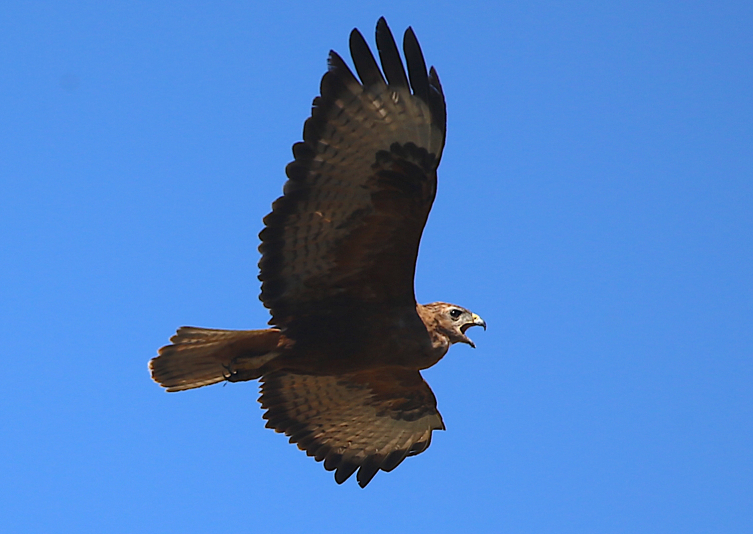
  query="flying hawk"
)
[{"x": 340, "y": 367}]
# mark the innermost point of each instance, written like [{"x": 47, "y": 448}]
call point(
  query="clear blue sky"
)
[{"x": 595, "y": 206}]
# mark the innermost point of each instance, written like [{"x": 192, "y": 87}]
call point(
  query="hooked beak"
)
[{"x": 477, "y": 321}]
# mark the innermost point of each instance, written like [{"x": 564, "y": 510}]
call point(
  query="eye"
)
[{"x": 455, "y": 313}]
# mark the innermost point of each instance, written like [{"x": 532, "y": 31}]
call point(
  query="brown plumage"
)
[{"x": 340, "y": 370}]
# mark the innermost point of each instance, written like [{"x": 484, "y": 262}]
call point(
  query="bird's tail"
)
[{"x": 202, "y": 356}]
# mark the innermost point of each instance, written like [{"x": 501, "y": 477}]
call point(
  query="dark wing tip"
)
[
  {"x": 423, "y": 85},
  {"x": 368, "y": 470},
  {"x": 389, "y": 55},
  {"x": 436, "y": 100},
  {"x": 426, "y": 87},
  {"x": 363, "y": 60},
  {"x": 344, "y": 471},
  {"x": 419, "y": 80}
]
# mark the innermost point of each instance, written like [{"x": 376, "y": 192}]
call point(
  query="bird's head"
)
[{"x": 454, "y": 320}]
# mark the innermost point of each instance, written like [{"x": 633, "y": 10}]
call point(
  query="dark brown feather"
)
[
  {"x": 419, "y": 80},
  {"x": 363, "y": 59},
  {"x": 390, "y": 57}
]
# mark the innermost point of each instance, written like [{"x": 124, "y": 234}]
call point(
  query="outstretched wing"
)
[
  {"x": 347, "y": 229},
  {"x": 364, "y": 421}
]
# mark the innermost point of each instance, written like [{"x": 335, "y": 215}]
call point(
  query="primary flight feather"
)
[{"x": 340, "y": 367}]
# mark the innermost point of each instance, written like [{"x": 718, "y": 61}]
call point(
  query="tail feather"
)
[{"x": 203, "y": 356}]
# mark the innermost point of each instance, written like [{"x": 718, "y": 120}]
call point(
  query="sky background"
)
[{"x": 595, "y": 206}]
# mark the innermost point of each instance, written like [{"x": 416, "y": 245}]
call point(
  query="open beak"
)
[{"x": 477, "y": 321}]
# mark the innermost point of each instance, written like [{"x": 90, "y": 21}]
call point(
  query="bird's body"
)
[{"x": 340, "y": 367}]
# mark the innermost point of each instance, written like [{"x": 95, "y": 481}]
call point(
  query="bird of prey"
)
[{"x": 340, "y": 367}]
